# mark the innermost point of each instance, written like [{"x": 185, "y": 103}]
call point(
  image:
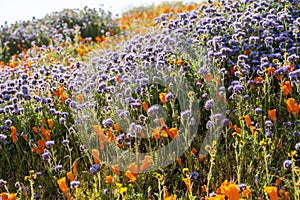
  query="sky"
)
[{"x": 19, "y": 10}]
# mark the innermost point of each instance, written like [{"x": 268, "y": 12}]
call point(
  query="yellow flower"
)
[
  {"x": 185, "y": 170},
  {"x": 123, "y": 191}
]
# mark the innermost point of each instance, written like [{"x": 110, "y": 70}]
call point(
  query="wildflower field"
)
[{"x": 174, "y": 101}]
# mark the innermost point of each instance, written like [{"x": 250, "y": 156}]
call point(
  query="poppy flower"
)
[
  {"x": 172, "y": 132},
  {"x": 62, "y": 184},
  {"x": 258, "y": 80},
  {"x": 156, "y": 133},
  {"x": 115, "y": 168},
  {"x": 237, "y": 129},
  {"x": 179, "y": 161},
  {"x": 232, "y": 192},
  {"x": 284, "y": 194},
  {"x": 101, "y": 136},
  {"x": 13, "y": 134},
  {"x": 247, "y": 120},
  {"x": 35, "y": 129},
  {"x": 271, "y": 192},
  {"x": 286, "y": 88},
  {"x": 147, "y": 162},
  {"x": 109, "y": 179},
  {"x": 117, "y": 128},
  {"x": 193, "y": 151},
  {"x": 162, "y": 97},
  {"x": 145, "y": 106},
  {"x": 292, "y": 107},
  {"x": 70, "y": 176},
  {"x": 166, "y": 194},
  {"x": 272, "y": 114},
  {"x": 208, "y": 77},
  {"x": 132, "y": 177},
  {"x": 75, "y": 171},
  {"x": 188, "y": 184},
  {"x": 41, "y": 146},
  {"x": 96, "y": 156},
  {"x": 50, "y": 123},
  {"x": 133, "y": 169}
]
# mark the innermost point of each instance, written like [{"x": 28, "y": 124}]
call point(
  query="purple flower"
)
[
  {"x": 49, "y": 143},
  {"x": 65, "y": 142},
  {"x": 242, "y": 187},
  {"x": 75, "y": 184},
  {"x": 209, "y": 104},
  {"x": 185, "y": 114},
  {"x": 194, "y": 176},
  {"x": 46, "y": 155},
  {"x": 108, "y": 123},
  {"x": 297, "y": 146},
  {"x": 58, "y": 168},
  {"x": 257, "y": 111},
  {"x": 36, "y": 196},
  {"x": 269, "y": 134},
  {"x": 287, "y": 164},
  {"x": 94, "y": 169}
]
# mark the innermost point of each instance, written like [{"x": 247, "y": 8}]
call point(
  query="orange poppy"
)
[
  {"x": 247, "y": 193},
  {"x": 79, "y": 98},
  {"x": 272, "y": 192},
  {"x": 3, "y": 196},
  {"x": 284, "y": 194},
  {"x": 292, "y": 107},
  {"x": 162, "y": 97},
  {"x": 145, "y": 106},
  {"x": 133, "y": 169},
  {"x": 118, "y": 79},
  {"x": 70, "y": 176},
  {"x": 232, "y": 192},
  {"x": 75, "y": 171},
  {"x": 101, "y": 135},
  {"x": 188, "y": 184},
  {"x": 96, "y": 156},
  {"x": 259, "y": 80},
  {"x": 237, "y": 129},
  {"x": 173, "y": 132},
  {"x": 147, "y": 162},
  {"x": 278, "y": 181},
  {"x": 115, "y": 168},
  {"x": 270, "y": 71},
  {"x": 13, "y": 134},
  {"x": 247, "y": 120},
  {"x": 286, "y": 88},
  {"x": 193, "y": 151},
  {"x": 131, "y": 176},
  {"x": 109, "y": 179},
  {"x": 110, "y": 136},
  {"x": 12, "y": 196},
  {"x": 41, "y": 146},
  {"x": 179, "y": 161},
  {"x": 272, "y": 114},
  {"x": 62, "y": 183},
  {"x": 116, "y": 127},
  {"x": 50, "y": 123},
  {"x": 35, "y": 129},
  {"x": 156, "y": 133},
  {"x": 208, "y": 77}
]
